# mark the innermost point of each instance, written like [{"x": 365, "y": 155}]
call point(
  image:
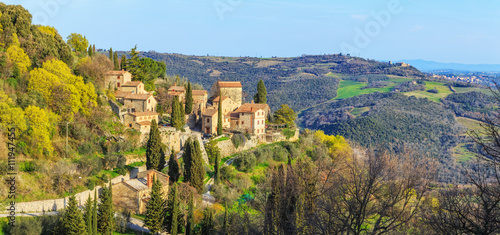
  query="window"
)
[
  {"x": 242, "y": 123},
  {"x": 129, "y": 125},
  {"x": 118, "y": 77},
  {"x": 118, "y": 84},
  {"x": 149, "y": 101},
  {"x": 208, "y": 119}
]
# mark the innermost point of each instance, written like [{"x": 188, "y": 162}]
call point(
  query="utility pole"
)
[{"x": 66, "y": 139}]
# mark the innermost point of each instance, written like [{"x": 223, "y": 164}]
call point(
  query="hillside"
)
[{"x": 300, "y": 82}]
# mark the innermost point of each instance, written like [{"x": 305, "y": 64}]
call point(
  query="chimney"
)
[
  {"x": 151, "y": 177},
  {"x": 253, "y": 102}
]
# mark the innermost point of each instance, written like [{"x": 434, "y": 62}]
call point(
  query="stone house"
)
[
  {"x": 136, "y": 87},
  {"x": 250, "y": 118},
  {"x": 228, "y": 104},
  {"x": 137, "y": 102},
  {"x": 115, "y": 79},
  {"x": 232, "y": 90},
  {"x": 140, "y": 120},
  {"x": 179, "y": 91},
  {"x": 133, "y": 194},
  {"x": 209, "y": 121},
  {"x": 200, "y": 99}
]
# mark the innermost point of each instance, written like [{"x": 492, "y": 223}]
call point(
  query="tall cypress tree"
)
[
  {"x": 72, "y": 220},
  {"x": 110, "y": 54},
  {"x": 123, "y": 62},
  {"x": 87, "y": 215},
  {"x": 186, "y": 156},
  {"x": 155, "y": 208},
  {"x": 106, "y": 220},
  {"x": 197, "y": 170},
  {"x": 225, "y": 226},
  {"x": 93, "y": 49},
  {"x": 182, "y": 115},
  {"x": 89, "y": 51},
  {"x": 173, "y": 214},
  {"x": 189, "y": 99},
  {"x": 261, "y": 96},
  {"x": 216, "y": 167},
  {"x": 190, "y": 216},
  {"x": 173, "y": 168},
  {"x": 115, "y": 60},
  {"x": 94, "y": 214},
  {"x": 154, "y": 148},
  {"x": 208, "y": 222},
  {"x": 219, "y": 117},
  {"x": 176, "y": 117}
]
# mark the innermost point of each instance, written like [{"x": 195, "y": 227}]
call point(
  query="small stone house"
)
[
  {"x": 179, "y": 91},
  {"x": 137, "y": 102},
  {"x": 136, "y": 87},
  {"x": 115, "y": 79},
  {"x": 200, "y": 99},
  {"x": 140, "y": 120},
  {"x": 228, "y": 104},
  {"x": 134, "y": 194},
  {"x": 250, "y": 118},
  {"x": 209, "y": 121},
  {"x": 232, "y": 90}
]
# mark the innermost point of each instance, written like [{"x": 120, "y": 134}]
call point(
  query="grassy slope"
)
[{"x": 349, "y": 88}]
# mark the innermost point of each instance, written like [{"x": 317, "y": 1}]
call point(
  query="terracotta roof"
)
[
  {"x": 218, "y": 97},
  {"x": 144, "y": 123},
  {"x": 199, "y": 92},
  {"x": 229, "y": 84},
  {"x": 132, "y": 84},
  {"x": 210, "y": 112},
  {"x": 113, "y": 72},
  {"x": 121, "y": 94},
  {"x": 140, "y": 114},
  {"x": 251, "y": 108},
  {"x": 132, "y": 96},
  {"x": 177, "y": 88}
]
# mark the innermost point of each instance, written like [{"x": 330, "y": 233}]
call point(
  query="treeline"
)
[
  {"x": 475, "y": 105},
  {"x": 393, "y": 121},
  {"x": 414, "y": 85}
]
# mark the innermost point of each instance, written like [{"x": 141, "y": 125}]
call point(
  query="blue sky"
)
[{"x": 461, "y": 31}]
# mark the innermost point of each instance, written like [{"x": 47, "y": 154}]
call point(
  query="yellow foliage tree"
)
[
  {"x": 39, "y": 121},
  {"x": 18, "y": 56},
  {"x": 47, "y": 30},
  {"x": 337, "y": 145},
  {"x": 43, "y": 81},
  {"x": 15, "y": 40},
  {"x": 11, "y": 116}
]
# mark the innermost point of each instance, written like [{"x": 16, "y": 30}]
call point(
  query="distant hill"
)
[
  {"x": 428, "y": 66},
  {"x": 300, "y": 82}
]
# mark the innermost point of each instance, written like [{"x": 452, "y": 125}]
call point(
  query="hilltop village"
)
[{"x": 137, "y": 107}]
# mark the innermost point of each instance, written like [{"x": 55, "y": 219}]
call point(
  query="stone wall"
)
[
  {"x": 227, "y": 148},
  {"x": 116, "y": 109}
]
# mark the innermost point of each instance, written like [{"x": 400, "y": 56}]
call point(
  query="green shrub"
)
[
  {"x": 227, "y": 173},
  {"x": 245, "y": 162},
  {"x": 238, "y": 139},
  {"x": 28, "y": 166},
  {"x": 280, "y": 154},
  {"x": 288, "y": 133},
  {"x": 91, "y": 185}
]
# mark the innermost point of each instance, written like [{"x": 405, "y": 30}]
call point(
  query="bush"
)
[
  {"x": 91, "y": 185},
  {"x": 263, "y": 154},
  {"x": 288, "y": 133},
  {"x": 280, "y": 154},
  {"x": 238, "y": 139},
  {"x": 227, "y": 173},
  {"x": 105, "y": 178},
  {"x": 121, "y": 171},
  {"x": 28, "y": 166},
  {"x": 435, "y": 91},
  {"x": 245, "y": 162}
]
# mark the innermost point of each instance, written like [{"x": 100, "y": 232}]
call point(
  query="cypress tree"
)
[
  {"x": 190, "y": 216},
  {"x": 154, "y": 148},
  {"x": 87, "y": 216},
  {"x": 208, "y": 222},
  {"x": 175, "y": 116},
  {"x": 94, "y": 214},
  {"x": 182, "y": 115},
  {"x": 189, "y": 99},
  {"x": 93, "y": 49},
  {"x": 115, "y": 60},
  {"x": 89, "y": 51},
  {"x": 123, "y": 62},
  {"x": 219, "y": 117},
  {"x": 216, "y": 167},
  {"x": 106, "y": 221},
  {"x": 173, "y": 214},
  {"x": 72, "y": 221},
  {"x": 110, "y": 54},
  {"x": 225, "y": 226},
  {"x": 173, "y": 168},
  {"x": 155, "y": 208},
  {"x": 186, "y": 156},
  {"x": 197, "y": 170},
  {"x": 261, "y": 95}
]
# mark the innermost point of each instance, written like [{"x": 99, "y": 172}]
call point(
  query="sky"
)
[{"x": 459, "y": 31}]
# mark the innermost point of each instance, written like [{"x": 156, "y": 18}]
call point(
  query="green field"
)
[
  {"x": 348, "y": 88},
  {"x": 471, "y": 124},
  {"x": 443, "y": 91},
  {"x": 358, "y": 111},
  {"x": 462, "y": 154}
]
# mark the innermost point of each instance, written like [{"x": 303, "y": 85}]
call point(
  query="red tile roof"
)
[
  {"x": 141, "y": 114},
  {"x": 121, "y": 72},
  {"x": 132, "y": 84},
  {"x": 199, "y": 92},
  {"x": 121, "y": 94},
  {"x": 132, "y": 96},
  {"x": 210, "y": 112},
  {"x": 229, "y": 84},
  {"x": 144, "y": 123},
  {"x": 218, "y": 97},
  {"x": 251, "y": 108},
  {"x": 177, "y": 88}
]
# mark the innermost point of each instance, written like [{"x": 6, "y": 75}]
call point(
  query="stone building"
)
[
  {"x": 209, "y": 121},
  {"x": 179, "y": 91},
  {"x": 250, "y": 118},
  {"x": 228, "y": 104},
  {"x": 137, "y": 102},
  {"x": 115, "y": 79},
  {"x": 133, "y": 194},
  {"x": 136, "y": 87},
  {"x": 200, "y": 99},
  {"x": 232, "y": 90},
  {"x": 140, "y": 120}
]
